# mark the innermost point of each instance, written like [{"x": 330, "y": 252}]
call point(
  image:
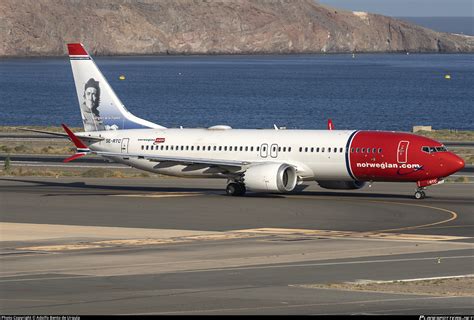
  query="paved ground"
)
[{"x": 101, "y": 246}]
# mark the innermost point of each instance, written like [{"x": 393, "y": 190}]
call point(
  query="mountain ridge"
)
[{"x": 152, "y": 27}]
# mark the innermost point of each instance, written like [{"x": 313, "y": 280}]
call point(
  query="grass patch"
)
[
  {"x": 38, "y": 147},
  {"x": 74, "y": 172},
  {"x": 448, "y": 135},
  {"x": 15, "y": 129}
]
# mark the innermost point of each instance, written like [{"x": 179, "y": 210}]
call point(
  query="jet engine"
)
[
  {"x": 270, "y": 177},
  {"x": 341, "y": 185}
]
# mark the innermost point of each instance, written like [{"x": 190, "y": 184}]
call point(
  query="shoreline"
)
[{"x": 237, "y": 54}]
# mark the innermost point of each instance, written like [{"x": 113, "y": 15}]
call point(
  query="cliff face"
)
[{"x": 116, "y": 27}]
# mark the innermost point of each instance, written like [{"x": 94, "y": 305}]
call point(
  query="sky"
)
[{"x": 408, "y": 8}]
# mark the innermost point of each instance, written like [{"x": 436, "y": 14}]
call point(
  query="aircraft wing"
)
[{"x": 178, "y": 160}]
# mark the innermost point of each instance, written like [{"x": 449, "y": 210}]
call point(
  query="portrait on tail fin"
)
[{"x": 90, "y": 106}]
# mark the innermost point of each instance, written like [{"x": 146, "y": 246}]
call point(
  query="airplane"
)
[{"x": 258, "y": 160}]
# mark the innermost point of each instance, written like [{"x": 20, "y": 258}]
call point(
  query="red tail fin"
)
[{"x": 330, "y": 125}]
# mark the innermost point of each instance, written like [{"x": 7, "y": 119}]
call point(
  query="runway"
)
[{"x": 180, "y": 246}]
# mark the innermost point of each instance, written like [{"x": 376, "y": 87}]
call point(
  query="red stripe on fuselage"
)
[{"x": 376, "y": 156}]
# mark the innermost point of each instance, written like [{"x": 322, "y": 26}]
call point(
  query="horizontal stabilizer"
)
[
  {"x": 81, "y": 148},
  {"x": 59, "y": 134}
]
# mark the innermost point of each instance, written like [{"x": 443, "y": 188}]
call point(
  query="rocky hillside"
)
[{"x": 122, "y": 27}]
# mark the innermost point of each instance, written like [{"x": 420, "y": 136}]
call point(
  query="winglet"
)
[
  {"x": 330, "y": 125},
  {"x": 81, "y": 148}
]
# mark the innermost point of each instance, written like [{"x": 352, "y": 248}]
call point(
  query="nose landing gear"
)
[
  {"x": 235, "y": 189},
  {"x": 420, "y": 194},
  {"x": 421, "y": 186}
]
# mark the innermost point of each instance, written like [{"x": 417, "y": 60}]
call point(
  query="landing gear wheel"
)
[
  {"x": 420, "y": 195},
  {"x": 232, "y": 189},
  {"x": 235, "y": 189},
  {"x": 242, "y": 189}
]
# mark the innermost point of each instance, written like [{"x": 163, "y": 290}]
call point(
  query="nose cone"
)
[{"x": 453, "y": 163}]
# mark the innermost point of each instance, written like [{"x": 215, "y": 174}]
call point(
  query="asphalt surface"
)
[{"x": 180, "y": 246}]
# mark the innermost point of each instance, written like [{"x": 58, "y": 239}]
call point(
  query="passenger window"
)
[
  {"x": 312, "y": 149},
  {"x": 246, "y": 148},
  {"x": 289, "y": 149},
  {"x": 380, "y": 150},
  {"x": 147, "y": 147},
  {"x": 301, "y": 149},
  {"x": 317, "y": 149},
  {"x": 306, "y": 149},
  {"x": 284, "y": 149},
  {"x": 362, "y": 150},
  {"x": 322, "y": 149},
  {"x": 258, "y": 148},
  {"x": 357, "y": 150},
  {"x": 215, "y": 148},
  {"x": 251, "y": 148}
]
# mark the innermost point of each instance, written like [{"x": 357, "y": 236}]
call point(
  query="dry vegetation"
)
[
  {"x": 448, "y": 135},
  {"x": 15, "y": 129},
  {"x": 436, "y": 287},
  {"x": 55, "y": 146},
  {"x": 75, "y": 172}
]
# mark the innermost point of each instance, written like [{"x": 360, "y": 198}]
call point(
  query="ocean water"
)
[{"x": 370, "y": 91}]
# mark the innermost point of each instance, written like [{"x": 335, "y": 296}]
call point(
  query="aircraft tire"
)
[
  {"x": 235, "y": 189},
  {"x": 419, "y": 195}
]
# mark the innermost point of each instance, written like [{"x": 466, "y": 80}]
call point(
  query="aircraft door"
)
[
  {"x": 402, "y": 152},
  {"x": 274, "y": 150},
  {"x": 264, "y": 150},
  {"x": 124, "y": 148}
]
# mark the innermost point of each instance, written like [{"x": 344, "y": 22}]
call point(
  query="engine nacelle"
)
[
  {"x": 341, "y": 185},
  {"x": 270, "y": 177}
]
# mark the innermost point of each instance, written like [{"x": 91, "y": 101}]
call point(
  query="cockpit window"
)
[{"x": 433, "y": 149}]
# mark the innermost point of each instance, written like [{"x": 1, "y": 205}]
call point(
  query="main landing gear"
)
[
  {"x": 420, "y": 194},
  {"x": 235, "y": 189}
]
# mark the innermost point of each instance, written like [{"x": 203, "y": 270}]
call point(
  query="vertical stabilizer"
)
[{"x": 101, "y": 109}]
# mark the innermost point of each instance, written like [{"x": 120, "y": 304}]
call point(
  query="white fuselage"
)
[{"x": 261, "y": 145}]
